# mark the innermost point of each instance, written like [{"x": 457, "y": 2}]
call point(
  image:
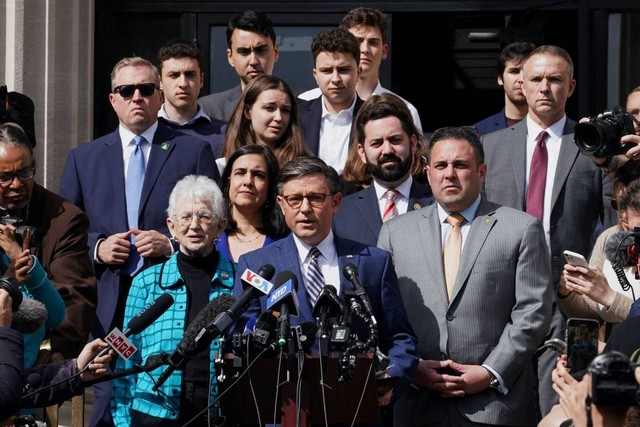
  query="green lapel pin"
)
[{"x": 165, "y": 146}]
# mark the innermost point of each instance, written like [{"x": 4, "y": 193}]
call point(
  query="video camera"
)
[{"x": 613, "y": 382}]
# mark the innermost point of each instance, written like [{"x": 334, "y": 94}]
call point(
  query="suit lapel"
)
[
  {"x": 314, "y": 116},
  {"x": 516, "y": 148},
  {"x": 569, "y": 153},
  {"x": 114, "y": 162},
  {"x": 369, "y": 211},
  {"x": 420, "y": 196},
  {"x": 346, "y": 255},
  {"x": 161, "y": 149},
  {"x": 480, "y": 228},
  {"x": 430, "y": 236}
]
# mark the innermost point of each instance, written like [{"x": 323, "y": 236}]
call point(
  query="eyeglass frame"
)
[
  {"x": 15, "y": 175},
  {"x": 306, "y": 196},
  {"x": 182, "y": 222},
  {"x": 142, "y": 87}
]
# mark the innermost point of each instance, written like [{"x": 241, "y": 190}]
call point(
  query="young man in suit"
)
[
  {"x": 387, "y": 142},
  {"x": 509, "y": 69},
  {"x": 252, "y": 51},
  {"x": 475, "y": 280},
  {"x": 326, "y": 121},
  {"x": 181, "y": 79},
  {"x": 370, "y": 28},
  {"x": 123, "y": 181},
  {"x": 309, "y": 197},
  {"x": 545, "y": 175}
]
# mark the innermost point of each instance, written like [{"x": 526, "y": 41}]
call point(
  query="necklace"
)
[{"x": 248, "y": 240}]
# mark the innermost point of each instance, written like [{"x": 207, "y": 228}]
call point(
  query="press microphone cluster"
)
[
  {"x": 621, "y": 250},
  {"x": 285, "y": 300}
]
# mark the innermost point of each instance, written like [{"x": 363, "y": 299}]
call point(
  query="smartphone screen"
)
[{"x": 582, "y": 343}]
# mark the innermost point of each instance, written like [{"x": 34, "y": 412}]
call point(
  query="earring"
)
[{"x": 216, "y": 240}]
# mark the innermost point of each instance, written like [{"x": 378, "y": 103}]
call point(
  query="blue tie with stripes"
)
[
  {"x": 314, "y": 280},
  {"x": 133, "y": 190}
]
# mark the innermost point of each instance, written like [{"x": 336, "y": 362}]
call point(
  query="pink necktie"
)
[
  {"x": 537, "y": 177},
  {"x": 390, "y": 209}
]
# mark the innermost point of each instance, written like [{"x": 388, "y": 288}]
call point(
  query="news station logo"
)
[
  {"x": 257, "y": 281},
  {"x": 121, "y": 344}
]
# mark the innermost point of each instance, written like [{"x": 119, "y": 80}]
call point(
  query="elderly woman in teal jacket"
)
[{"x": 194, "y": 275}]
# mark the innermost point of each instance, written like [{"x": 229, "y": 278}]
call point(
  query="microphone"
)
[
  {"x": 284, "y": 299},
  {"x": 327, "y": 305},
  {"x": 256, "y": 285},
  {"x": 264, "y": 331},
  {"x": 141, "y": 321},
  {"x": 191, "y": 342},
  {"x": 350, "y": 272},
  {"x": 30, "y": 317},
  {"x": 34, "y": 380},
  {"x": 305, "y": 336},
  {"x": 621, "y": 250}
]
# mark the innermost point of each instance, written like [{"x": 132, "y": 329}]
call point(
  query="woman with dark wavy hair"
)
[{"x": 249, "y": 188}]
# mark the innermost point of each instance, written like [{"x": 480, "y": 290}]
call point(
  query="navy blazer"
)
[
  {"x": 93, "y": 179},
  {"x": 359, "y": 216},
  {"x": 310, "y": 115},
  {"x": 396, "y": 337},
  {"x": 492, "y": 123}
]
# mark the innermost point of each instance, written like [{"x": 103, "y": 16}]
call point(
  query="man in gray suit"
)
[
  {"x": 574, "y": 192},
  {"x": 252, "y": 51},
  {"x": 480, "y": 310}
]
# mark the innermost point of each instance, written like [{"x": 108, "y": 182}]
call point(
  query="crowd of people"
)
[{"x": 458, "y": 238}]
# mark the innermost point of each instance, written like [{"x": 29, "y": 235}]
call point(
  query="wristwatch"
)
[{"x": 493, "y": 383}]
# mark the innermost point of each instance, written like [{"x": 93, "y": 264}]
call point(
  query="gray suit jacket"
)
[
  {"x": 580, "y": 194},
  {"x": 499, "y": 312},
  {"x": 220, "y": 105}
]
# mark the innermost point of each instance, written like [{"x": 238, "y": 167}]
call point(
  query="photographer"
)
[
  {"x": 12, "y": 374},
  {"x": 61, "y": 252}
]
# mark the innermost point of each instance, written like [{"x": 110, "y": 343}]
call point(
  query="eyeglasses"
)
[
  {"x": 25, "y": 174},
  {"x": 127, "y": 91},
  {"x": 315, "y": 199},
  {"x": 204, "y": 217}
]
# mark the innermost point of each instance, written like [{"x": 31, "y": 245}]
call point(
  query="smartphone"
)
[
  {"x": 575, "y": 259},
  {"x": 581, "y": 337}
]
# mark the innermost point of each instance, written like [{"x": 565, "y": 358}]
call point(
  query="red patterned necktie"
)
[
  {"x": 390, "y": 209},
  {"x": 538, "y": 177}
]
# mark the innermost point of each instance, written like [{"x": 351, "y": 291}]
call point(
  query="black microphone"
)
[
  {"x": 327, "y": 305},
  {"x": 264, "y": 331},
  {"x": 138, "y": 323},
  {"x": 192, "y": 341},
  {"x": 256, "y": 285},
  {"x": 350, "y": 272},
  {"x": 34, "y": 380},
  {"x": 284, "y": 299},
  {"x": 30, "y": 317},
  {"x": 620, "y": 248}
]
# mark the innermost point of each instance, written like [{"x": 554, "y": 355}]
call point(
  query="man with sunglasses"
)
[
  {"x": 309, "y": 196},
  {"x": 123, "y": 181}
]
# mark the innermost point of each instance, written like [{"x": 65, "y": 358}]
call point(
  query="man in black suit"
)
[
  {"x": 326, "y": 121},
  {"x": 387, "y": 141},
  {"x": 252, "y": 51}
]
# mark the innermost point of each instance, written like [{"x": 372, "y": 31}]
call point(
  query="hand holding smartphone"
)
[
  {"x": 581, "y": 337},
  {"x": 576, "y": 259}
]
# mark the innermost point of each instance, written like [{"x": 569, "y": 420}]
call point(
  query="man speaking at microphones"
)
[{"x": 309, "y": 196}]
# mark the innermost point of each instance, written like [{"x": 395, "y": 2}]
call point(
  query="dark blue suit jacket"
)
[
  {"x": 359, "y": 216},
  {"x": 396, "y": 337},
  {"x": 310, "y": 115},
  {"x": 93, "y": 179},
  {"x": 492, "y": 123}
]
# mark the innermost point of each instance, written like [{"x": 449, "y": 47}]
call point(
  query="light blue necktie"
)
[
  {"x": 133, "y": 189},
  {"x": 315, "y": 280}
]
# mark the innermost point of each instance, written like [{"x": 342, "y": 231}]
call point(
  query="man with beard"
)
[
  {"x": 509, "y": 70},
  {"x": 387, "y": 141}
]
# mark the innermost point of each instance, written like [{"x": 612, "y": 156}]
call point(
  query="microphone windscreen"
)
[
  {"x": 219, "y": 305},
  {"x": 30, "y": 316},
  {"x": 284, "y": 276},
  {"x": 267, "y": 271},
  {"x": 150, "y": 314},
  {"x": 616, "y": 248},
  {"x": 349, "y": 271}
]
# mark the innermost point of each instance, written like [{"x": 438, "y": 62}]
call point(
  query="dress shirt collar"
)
[
  {"x": 327, "y": 248},
  {"x": 347, "y": 114},
  {"x": 469, "y": 214},
  {"x": 200, "y": 114},
  {"x": 126, "y": 136},
  {"x": 555, "y": 130},
  {"x": 404, "y": 189}
]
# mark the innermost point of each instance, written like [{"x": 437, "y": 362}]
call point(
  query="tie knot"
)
[
  {"x": 314, "y": 253},
  {"x": 542, "y": 137},
  {"x": 390, "y": 195},
  {"x": 455, "y": 220},
  {"x": 139, "y": 140}
]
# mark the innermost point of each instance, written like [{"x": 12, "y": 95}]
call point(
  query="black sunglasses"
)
[{"x": 127, "y": 91}]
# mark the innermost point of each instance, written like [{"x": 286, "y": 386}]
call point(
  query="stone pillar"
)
[{"x": 46, "y": 52}]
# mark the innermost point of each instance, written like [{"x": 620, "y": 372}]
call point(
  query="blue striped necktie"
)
[
  {"x": 314, "y": 280},
  {"x": 133, "y": 189}
]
